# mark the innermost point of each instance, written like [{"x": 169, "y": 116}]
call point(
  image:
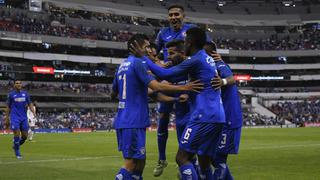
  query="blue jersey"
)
[
  {"x": 206, "y": 106},
  {"x": 131, "y": 83},
  {"x": 182, "y": 110},
  {"x": 168, "y": 34},
  {"x": 230, "y": 98},
  {"x": 18, "y": 103}
]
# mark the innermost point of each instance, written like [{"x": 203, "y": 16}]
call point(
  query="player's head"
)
[
  {"x": 17, "y": 85},
  {"x": 142, "y": 40},
  {"x": 210, "y": 46},
  {"x": 153, "y": 49},
  {"x": 176, "y": 16},
  {"x": 175, "y": 51},
  {"x": 195, "y": 40}
]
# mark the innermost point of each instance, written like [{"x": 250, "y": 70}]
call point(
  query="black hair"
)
[
  {"x": 197, "y": 37},
  {"x": 153, "y": 45},
  {"x": 179, "y": 44},
  {"x": 176, "y": 6},
  {"x": 212, "y": 45},
  {"x": 140, "y": 38}
]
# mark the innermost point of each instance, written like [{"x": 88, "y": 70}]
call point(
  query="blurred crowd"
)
[
  {"x": 78, "y": 88},
  {"x": 251, "y": 118},
  {"x": 56, "y": 26},
  {"x": 298, "y": 112}
]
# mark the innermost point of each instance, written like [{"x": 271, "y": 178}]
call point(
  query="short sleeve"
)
[
  {"x": 224, "y": 70},
  {"x": 9, "y": 101},
  {"x": 141, "y": 72}
]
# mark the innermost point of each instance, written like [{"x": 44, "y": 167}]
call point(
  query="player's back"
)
[
  {"x": 133, "y": 95},
  {"x": 230, "y": 98}
]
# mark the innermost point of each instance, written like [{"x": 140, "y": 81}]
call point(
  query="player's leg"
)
[
  {"x": 132, "y": 144},
  {"x": 186, "y": 168},
  {"x": 15, "y": 127},
  {"x": 31, "y": 133},
  {"x": 162, "y": 137},
  {"x": 228, "y": 144},
  {"x": 209, "y": 135},
  {"x": 24, "y": 131}
]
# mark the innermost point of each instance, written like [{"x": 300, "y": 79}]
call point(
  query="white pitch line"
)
[{"x": 57, "y": 160}]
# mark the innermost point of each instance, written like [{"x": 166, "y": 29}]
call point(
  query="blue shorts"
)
[
  {"x": 229, "y": 141},
  {"x": 165, "y": 107},
  {"x": 17, "y": 124},
  {"x": 132, "y": 143},
  {"x": 180, "y": 129},
  {"x": 201, "y": 138}
]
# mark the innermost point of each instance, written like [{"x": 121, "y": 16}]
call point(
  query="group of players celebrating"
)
[{"x": 194, "y": 83}]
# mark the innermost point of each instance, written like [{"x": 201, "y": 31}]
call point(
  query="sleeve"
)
[
  {"x": 224, "y": 70},
  {"x": 181, "y": 69},
  {"x": 142, "y": 73},
  {"x": 28, "y": 100},
  {"x": 9, "y": 101},
  {"x": 115, "y": 83},
  {"x": 159, "y": 41}
]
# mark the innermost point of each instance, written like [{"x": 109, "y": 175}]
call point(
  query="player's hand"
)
[
  {"x": 215, "y": 56},
  {"x": 183, "y": 98},
  {"x": 195, "y": 86},
  {"x": 216, "y": 82},
  {"x": 137, "y": 50},
  {"x": 167, "y": 64}
]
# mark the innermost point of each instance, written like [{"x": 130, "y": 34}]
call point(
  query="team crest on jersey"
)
[
  {"x": 124, "y": 66},
  {"x": 184, "y": 34},
  {"x": 143, "y": 150},
  {"x": 210, "y": 61}
]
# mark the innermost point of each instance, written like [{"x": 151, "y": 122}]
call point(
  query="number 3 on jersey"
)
[{"x": 124, "y": 85}]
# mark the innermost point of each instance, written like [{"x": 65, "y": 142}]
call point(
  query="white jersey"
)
[{"x": 31, "y": 118}]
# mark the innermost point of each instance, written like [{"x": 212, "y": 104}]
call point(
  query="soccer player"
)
[
  {"x": 231, "y": 132},
  {"x": 131, "y": 84},
  {"x": 32, "y": 122},
  {"x": 17, "y": 104},
  {"x": 203, "y": 130},
  {"x": 176, "y": 30}
]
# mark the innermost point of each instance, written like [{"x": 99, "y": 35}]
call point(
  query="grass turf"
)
[{"x": 265, "y": 154}]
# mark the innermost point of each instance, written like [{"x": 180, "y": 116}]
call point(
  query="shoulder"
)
[
  {"x": 163, "y": 30},
  {"x": 189, "y": 25}
]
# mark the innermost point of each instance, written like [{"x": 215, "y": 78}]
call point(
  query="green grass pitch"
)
[{"x": 265, "y": 154}]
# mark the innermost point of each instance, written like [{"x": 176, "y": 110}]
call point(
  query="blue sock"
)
[
  {"x": 187, "y": 172},
  {"x": 162, "y": 137},
  {"x": 123, "y": 174},
  {"x": 195, "y": 163},
  {"x": 207, "y": 174},
  {"x": 137, "y": 175},
  {"x": 16, "y": 145},
  {"x": 22, "y": 140}
]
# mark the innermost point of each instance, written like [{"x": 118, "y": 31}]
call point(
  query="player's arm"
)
[
  {"x": 226, "y": 77},
  {"x": 115, "y": 90},
  {"x": 142, "y": 74}
]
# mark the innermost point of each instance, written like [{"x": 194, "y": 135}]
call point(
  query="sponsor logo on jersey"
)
[
  {"x": 187, "y": 172},
  {"x": 21, "y": 99}
]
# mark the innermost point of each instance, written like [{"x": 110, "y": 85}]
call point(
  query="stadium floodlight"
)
[{"x": 221, "y": 3}]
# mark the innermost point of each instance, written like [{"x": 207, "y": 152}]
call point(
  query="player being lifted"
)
[
  {"x": 203, "y": 130},
  {"x": 231, "y": 132},
  {"x": 176, "y": 30},
  {"x": 131, "y": 84},
  {"x": 32, "y": 122},
  {"x": 17, "y": 103}
]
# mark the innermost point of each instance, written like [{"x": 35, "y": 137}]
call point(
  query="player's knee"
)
[
  {"x": 140, "y": 164},
  {"x": 129, "y": 164},
  {"x": 182, "y": 157}
]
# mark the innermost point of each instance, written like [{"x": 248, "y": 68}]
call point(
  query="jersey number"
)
[
  {"x": 124, "y": 88},
  {"x": 224, "y": 139},
  {"x": 187, "y": 134}
]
